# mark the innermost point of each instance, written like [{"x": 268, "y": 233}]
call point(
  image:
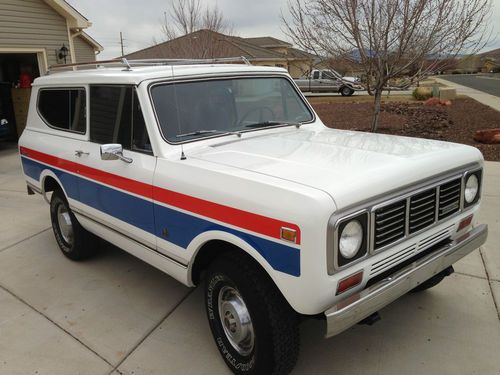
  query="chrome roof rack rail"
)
[{"x": 129, "y": 64}]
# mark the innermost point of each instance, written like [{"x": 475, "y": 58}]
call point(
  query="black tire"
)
[
  {"x": 346, "y": 91},
  {"x": 78, "y": 245},
  {"x": 276, "y": 338},
  {"x": 433, "y": 281}
]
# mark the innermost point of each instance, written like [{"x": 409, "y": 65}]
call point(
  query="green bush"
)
[{"x": 422, "y": 93}]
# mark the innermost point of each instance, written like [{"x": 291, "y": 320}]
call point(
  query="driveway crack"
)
[
  {"x": 54, "y": 323},
  {"x": 24, "y": 239},
  {"x": 495, "y": 302},
  {"x": 133, "y": 349}
]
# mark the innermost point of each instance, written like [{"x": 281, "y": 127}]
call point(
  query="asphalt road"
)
[{"x": 489, "y": 85}]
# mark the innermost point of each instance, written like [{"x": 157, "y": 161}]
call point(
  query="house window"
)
[{"x": 63, "y": 109}]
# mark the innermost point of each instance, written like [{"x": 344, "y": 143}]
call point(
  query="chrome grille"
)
[
  {"x": 407, "y": 252},
  {"x": 415, "y": 212},
  {"x": 449, "y": 198},
  {"x": 422, "y": 210},
  {"x": 390, "y": 223}
]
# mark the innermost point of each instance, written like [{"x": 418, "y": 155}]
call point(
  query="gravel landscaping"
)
[{"x": 455, "y": 123}]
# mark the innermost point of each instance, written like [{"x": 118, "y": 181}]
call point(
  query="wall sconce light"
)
[{"x": 62, "y": 53}]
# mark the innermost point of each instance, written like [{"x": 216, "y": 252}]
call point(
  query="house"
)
[
  {"x": 201, "y": 44},
  {"x": 35, "y": 34},
  {"x": 490, "y": 61}
]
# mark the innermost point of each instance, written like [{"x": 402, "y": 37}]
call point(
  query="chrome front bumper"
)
[{"x": 362, "y": 304}]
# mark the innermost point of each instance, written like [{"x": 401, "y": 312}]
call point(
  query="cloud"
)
[{"x": 140, "y": 21}]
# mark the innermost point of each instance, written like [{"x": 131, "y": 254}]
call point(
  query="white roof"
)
[{"x": 120, "y": 75}]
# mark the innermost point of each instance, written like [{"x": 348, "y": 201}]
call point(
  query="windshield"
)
[{"x": 192, "y": 110}]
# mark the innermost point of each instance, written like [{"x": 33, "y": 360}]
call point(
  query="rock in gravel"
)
[{"x": 487, "y": 136}]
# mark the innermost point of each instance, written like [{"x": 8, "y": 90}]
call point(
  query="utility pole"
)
[{"x": 121, "y": 42}]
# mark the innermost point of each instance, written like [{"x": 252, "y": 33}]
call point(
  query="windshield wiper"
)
[
  {"x": 263, "y": 124},
  {"x": 212, "y": 131}
]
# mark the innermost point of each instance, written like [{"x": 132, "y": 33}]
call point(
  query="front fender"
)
[{"x": 279, "y": 278}]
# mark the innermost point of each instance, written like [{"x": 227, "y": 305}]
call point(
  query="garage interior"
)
[{"x": 14, "y": 97}]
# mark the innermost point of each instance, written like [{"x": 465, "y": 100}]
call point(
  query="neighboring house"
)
[
  {"x": 200, "y": 44},
  {"x": 35, "y": 34},
  {"x": 490, "y": 61}
]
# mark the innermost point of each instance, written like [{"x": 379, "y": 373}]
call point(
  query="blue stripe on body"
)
[
  {"x": 33, "y": 169},
  {"x": 141, "y": 213}
]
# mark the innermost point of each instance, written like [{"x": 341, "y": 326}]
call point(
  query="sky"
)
[{"x": 140, "y": 21}]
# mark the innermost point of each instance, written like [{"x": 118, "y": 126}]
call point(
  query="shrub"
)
[{"x": 422, "y": 93}]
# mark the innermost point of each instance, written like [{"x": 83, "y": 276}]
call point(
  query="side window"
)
[
  {"x": 116, "y": 117},
  {"x": 63, "y": 109},
  {"x": 316, "y": 75}
]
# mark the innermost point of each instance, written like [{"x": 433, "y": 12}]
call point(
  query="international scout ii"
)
[{"x": 224, "y": 173}]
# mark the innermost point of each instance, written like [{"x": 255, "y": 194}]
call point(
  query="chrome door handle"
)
[{"x": 80, "y": 153}]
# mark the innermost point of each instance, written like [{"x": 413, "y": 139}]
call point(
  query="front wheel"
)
[
  {"x": 254, "y": 328},
  {"x": 73, "y": 240},
  {"x": 346, "y": 91}
]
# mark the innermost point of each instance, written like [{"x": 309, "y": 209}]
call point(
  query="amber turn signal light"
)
[
  {"x": 349, "y": 282},
  {"x": 288, "y": 234},
  {"x": 465, "y": 223}
]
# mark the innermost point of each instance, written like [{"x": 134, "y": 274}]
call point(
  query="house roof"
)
[
  {"x": 207, "y": 44},
  {"x": 268, "y": 42},
  {"x": 493, "y": 54},
  {"x": 74, "y": 18},
  {"x": 91, "y": 41}
]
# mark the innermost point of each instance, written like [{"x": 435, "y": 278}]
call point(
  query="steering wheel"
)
[{"x": 260, "y": 111}]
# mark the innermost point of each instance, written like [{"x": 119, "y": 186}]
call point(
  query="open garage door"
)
[{"x": 17, "y": 71}]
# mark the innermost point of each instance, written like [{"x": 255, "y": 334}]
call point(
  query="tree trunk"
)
[{"x": 376, "y": 109}]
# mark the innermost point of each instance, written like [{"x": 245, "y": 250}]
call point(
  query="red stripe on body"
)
[{"x": 229, "y": 215}]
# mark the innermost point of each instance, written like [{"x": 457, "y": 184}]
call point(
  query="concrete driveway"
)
[{"x": 115, "y": 314}]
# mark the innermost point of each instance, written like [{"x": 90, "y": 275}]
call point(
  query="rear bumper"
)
[{"x": 362, "y": 304}]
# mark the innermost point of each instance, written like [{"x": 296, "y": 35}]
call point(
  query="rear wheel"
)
[
  {"x": 254, "y": 328},
  {"x": 73, "y": 240}
]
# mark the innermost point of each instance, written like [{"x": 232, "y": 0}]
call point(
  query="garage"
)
[
  {"x": 35, "y": 34},
  {"x": 17, "y": 71}
]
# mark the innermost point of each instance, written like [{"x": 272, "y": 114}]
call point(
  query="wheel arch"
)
[
  {"x": 210, "y": 245},
  {"x": 50, "y": 182}
]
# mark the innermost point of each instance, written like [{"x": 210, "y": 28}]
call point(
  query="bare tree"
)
[
  {"x": 188, "y": 16},
  {"x": 391, "y": 38}
]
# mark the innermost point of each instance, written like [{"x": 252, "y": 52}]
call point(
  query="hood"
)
[{"x": 350, "y": 166}]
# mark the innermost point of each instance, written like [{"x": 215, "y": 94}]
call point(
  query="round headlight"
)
[
  {"x": 351, "y": 239},
  {"x": 471, "y": 188}
]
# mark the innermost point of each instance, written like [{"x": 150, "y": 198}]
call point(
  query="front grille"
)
[
  {"x": 390, "y": 222},
  {"x": 422, "y": 210},
  {"x": 449, "y": 198},
  {"x": 416, "y": 212}
]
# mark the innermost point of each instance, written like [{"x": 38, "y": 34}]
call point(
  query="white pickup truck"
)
[{"x": 224, "y": 173}]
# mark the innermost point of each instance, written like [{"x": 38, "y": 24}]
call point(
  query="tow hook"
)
[{"x": 371, "y": 319}]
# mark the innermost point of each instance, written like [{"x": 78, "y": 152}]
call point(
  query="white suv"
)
[{"x": 225, "y": 173}]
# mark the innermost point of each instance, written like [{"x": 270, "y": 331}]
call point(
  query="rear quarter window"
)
[{"x": 64, "y": 108}]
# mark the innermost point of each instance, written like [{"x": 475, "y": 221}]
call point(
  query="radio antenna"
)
[{"x": 176, "y": 102}]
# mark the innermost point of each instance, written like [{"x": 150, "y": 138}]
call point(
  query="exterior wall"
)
[
  {"x": 32, "y": 24},
  {"x": 83, "y": 51},
  {"x": 299, "y": 68}
]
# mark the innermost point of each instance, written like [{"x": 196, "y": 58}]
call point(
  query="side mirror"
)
[
  {"x": 113, "y": 151},
  {"x": 3, "y": 122}
]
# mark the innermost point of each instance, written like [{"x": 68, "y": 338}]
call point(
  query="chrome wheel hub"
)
[
  {"x": 65, "y": 225},
  {"x": 236, "y": 320}
]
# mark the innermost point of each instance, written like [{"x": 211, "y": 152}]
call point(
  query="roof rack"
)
[{"x": 129, "y": 64}]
